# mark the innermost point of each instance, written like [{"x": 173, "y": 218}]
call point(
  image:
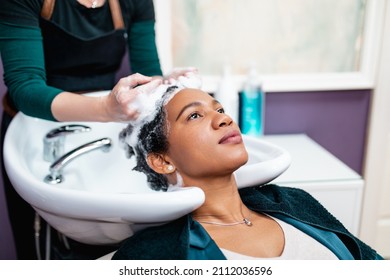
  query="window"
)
[{"x": 301, "y": 42}]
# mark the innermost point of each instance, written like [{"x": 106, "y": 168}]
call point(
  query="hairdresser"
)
[{"x": 52, "y": 52}]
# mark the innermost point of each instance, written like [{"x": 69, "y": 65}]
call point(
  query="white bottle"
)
[{"x": 227, "y": 94}]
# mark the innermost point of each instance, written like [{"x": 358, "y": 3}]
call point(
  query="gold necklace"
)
[{"x": 245, "y": 221}]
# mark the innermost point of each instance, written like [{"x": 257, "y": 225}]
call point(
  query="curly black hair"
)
[{"x": 152, "y": 138}]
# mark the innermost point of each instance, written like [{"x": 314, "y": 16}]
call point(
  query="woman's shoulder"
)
[
  {"x": 276, "y": 192},
  {"x": 157, "y": 242},
  {"x": 286, "y": 200}
]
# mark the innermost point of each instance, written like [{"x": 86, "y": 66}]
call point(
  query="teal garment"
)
[
  {"x": 24, "y": 72},
  {"x": 185, "y": 239},
  {"x": 143, "y": 55},
  {"x": 202, "y": 247},
  {"x": 23, "y": 55}
]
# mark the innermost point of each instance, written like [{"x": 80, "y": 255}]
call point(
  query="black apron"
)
[{"x": 79, "y": 65}]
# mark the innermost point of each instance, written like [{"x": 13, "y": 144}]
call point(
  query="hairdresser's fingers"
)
[
  {"x": 127, "y": 99},
  {"x": 131, "y": 94},
  {"x": 136, "y": 79},
  {"x": 124, "y": 91},
  {"x": 131, "y": 114},
  {"x": 119, "y": 102},
  {"x": 129, "y": 82},
  {"x": 148, "y": 87},
  {"x": 124, "y": 113},
  {"x": 140, "y": 93},
  {"x": 125, "y": 84}
]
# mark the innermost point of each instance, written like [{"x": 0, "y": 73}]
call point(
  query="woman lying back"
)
[{"x": 186, "y": 139}]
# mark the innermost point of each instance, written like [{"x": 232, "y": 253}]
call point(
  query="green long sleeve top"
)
[{"x": 23, "y": 55}]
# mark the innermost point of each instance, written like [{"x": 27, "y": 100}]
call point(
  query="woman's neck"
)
[{"x": 223, "y": 203}]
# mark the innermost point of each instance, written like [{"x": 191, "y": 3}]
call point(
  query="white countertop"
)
[{"x": 311, "y": 163}]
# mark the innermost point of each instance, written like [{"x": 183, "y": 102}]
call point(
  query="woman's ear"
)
[{"x": 159, "y": 164}]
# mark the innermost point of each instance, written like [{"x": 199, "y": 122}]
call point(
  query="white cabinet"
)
[{"x": 314, "y": 169}]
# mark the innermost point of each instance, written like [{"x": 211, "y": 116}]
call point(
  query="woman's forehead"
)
[{"x": 189, "y": 95}]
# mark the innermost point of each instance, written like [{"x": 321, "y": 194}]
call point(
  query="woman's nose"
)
[{"x": 222, "y": 120}]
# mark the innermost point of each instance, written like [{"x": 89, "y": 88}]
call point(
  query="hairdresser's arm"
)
[
  {"x": 25, "y": 76},
  {"x": 24, "y": 70},
  {"x": 143, "y": 53},
  {"x": 113, "y": 107},
  {"x": 141, "y": 39}
]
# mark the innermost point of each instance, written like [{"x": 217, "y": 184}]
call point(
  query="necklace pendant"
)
[
  {"x": 247, "y": 222},
  {"x": 94, "y": 4}
]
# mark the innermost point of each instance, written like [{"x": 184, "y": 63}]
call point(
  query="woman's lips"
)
[{"x": 232, "y": 137}]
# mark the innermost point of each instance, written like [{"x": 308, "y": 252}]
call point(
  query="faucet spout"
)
[
  {"x": 55, "y": 176},
  {"x": 54, "y": 140}
]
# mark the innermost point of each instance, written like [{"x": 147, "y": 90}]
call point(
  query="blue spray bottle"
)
[{"x": 252, "y": 101}]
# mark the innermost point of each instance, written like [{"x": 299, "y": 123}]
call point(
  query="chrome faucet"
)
[
  {"x": 55, "y": 176},
  {"x": 54, "y": 141}
]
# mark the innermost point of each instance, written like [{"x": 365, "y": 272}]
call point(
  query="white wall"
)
[{"x": 375, "y": 225}]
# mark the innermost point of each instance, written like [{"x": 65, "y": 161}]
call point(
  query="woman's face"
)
[{"x": 203, "y": 140}]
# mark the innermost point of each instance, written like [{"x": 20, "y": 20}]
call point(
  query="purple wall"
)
[
  {"x": 7, "y": 248},
  {"x": 336, "y": 120}
]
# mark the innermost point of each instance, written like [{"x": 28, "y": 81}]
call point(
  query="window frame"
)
[{"x": 333, "y": 81}]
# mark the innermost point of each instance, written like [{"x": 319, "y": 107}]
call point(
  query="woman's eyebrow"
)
[
  {"x": 216, "y": 102},
  {"x": 192, "y": 104}
]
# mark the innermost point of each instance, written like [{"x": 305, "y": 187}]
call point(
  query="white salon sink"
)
[{"x": 101, "y": 200}]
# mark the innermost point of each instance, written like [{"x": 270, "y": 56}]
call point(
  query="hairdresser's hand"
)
[
  {"x": 177, "y": 72},
  {"x": 118, "y": 102}
]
